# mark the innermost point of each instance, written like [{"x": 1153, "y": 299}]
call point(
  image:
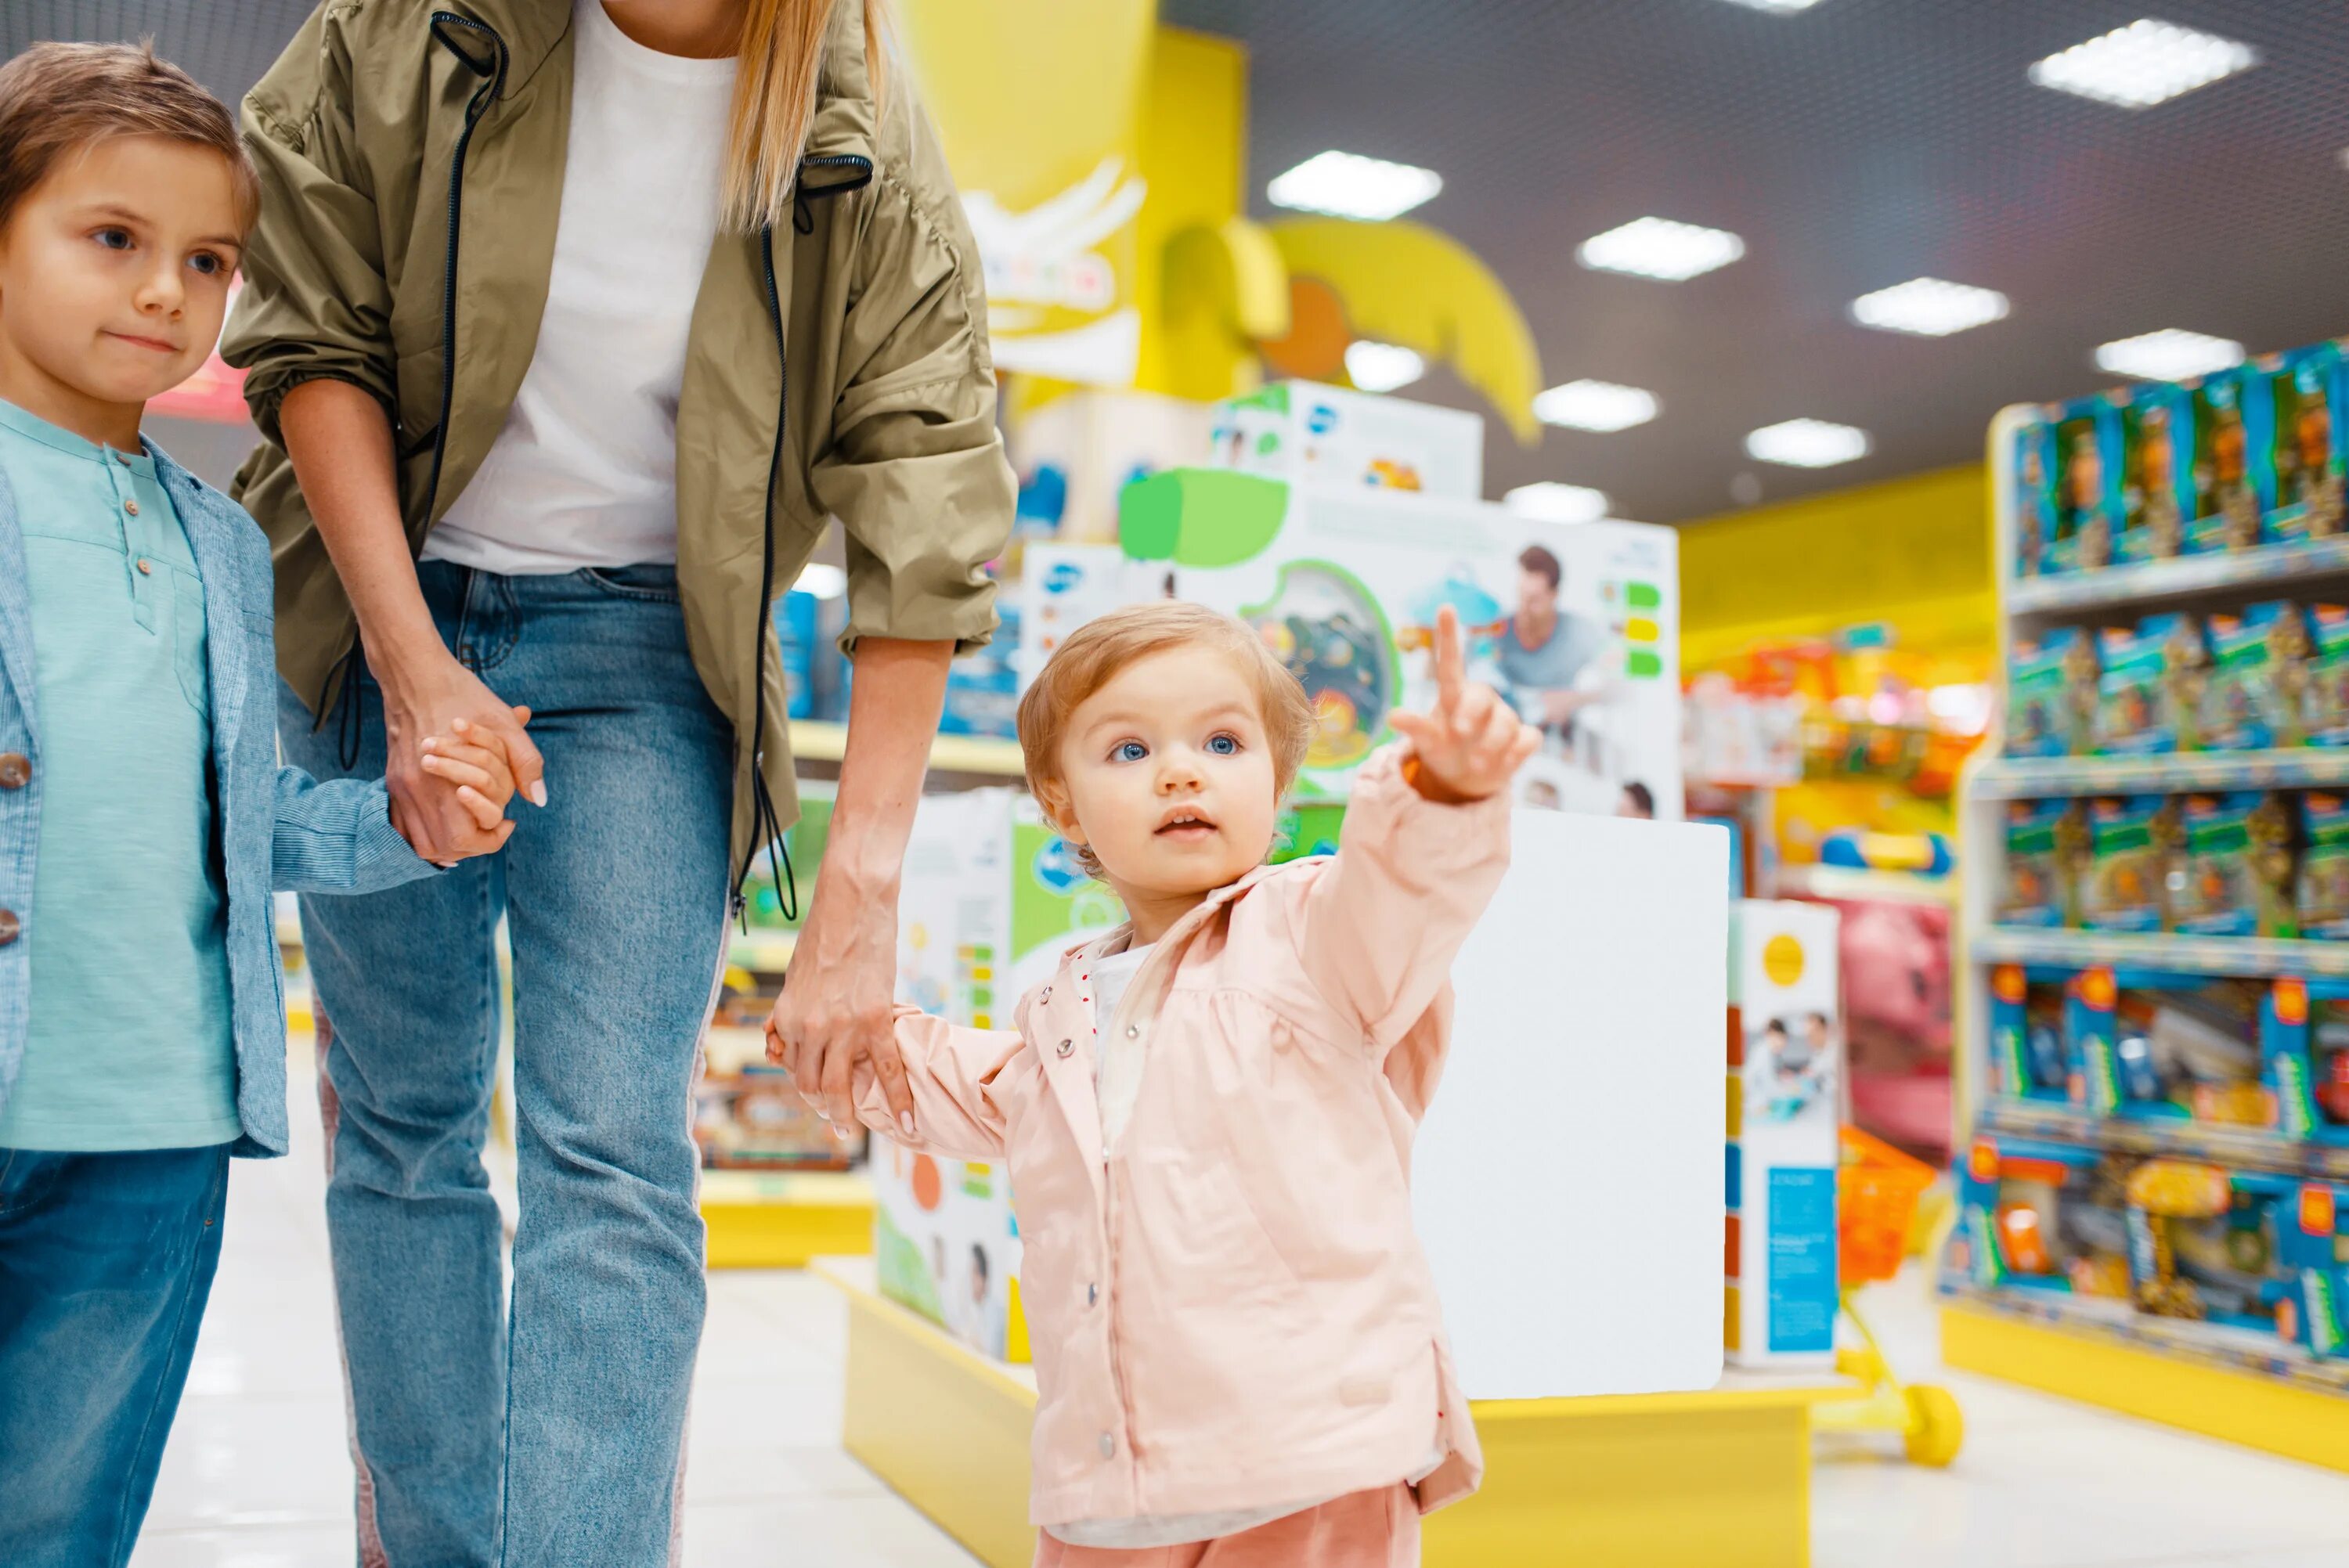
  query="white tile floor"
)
[{"x": 257, "y": 1477}]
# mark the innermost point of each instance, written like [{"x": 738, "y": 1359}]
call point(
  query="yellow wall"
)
[
  {"x": 1913, "y": 553},
  {"x": 1194, "y": 143}
]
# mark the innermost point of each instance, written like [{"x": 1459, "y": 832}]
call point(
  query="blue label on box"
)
[
  {"x": 1733, "y": 1182},
  {"x": 1803, "y": 1259}
]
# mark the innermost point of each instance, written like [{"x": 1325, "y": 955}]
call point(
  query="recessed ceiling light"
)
[
  {"x": 1783, "y": 7},
  {"x": 1555, "y": 502},
  {"x": 1659, "y": 248},
  {"x": 824, "y": 581},
  {"x": 2169, "y": 354},
  {"x": 1382, "y": 367},
  {"x": 1807, "y": 444},
  {"x": 2143, "y": 64},
  {"x": 1346, "y": 185},
  {"x": 1929, "y": 307},
  {"x": 1599, "y": 405}
]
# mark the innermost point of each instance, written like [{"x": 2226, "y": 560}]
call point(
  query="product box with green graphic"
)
[
  {"x": 1576, "y": 624},
  {"x": 1329, "y": 437}
]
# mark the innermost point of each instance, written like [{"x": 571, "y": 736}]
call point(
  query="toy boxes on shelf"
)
[
  {"x": 2255, "y": 694},
  {"x": 1786, "y": 1057},
  {"x": 1328, "y": 438},
  {"x": 2304, "y": 1044},
  {"x": 2131, "y": 840},
  {"x": 746, "y": 1115},
  {"x": 2031, "y": 1056},
  {"x": 2306, "y": 390},
  {"x": 2051, "y": 692},
  {"x": 2149, "y": 690},
  {"x": 2157, "y": 472},
  {"x": 1578, "y": 624},
  {"x": 2150, "y": 1045},
  {"x": 2083, "y": 505},
  {"x": 2315, "y": 1246},
  {"x": 2047, "y": 846},
  {"x": 2204, "y": 1244},
  {"x": 2232, "y": 472},
  {"x": 2037, "y": 1215}
]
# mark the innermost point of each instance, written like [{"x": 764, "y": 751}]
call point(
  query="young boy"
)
[
  {"x": 143, "y": 818},
  {"x": 1207, "y": 1113}
]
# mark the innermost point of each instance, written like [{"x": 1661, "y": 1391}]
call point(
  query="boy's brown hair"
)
[
  {"x": 1096, "y": 651},
  {"x": 56, "y": 99}
]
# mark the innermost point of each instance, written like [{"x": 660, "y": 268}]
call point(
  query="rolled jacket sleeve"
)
[
  {"x": 315, "y": 303},
  {"x": 916, "y": 471}
]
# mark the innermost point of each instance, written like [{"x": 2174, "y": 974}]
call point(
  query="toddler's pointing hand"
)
[{"x": 1473, "y": 743}]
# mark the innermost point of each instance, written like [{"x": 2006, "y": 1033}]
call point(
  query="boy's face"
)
[
  {"x": 114, "y": 275},
  {"x": 1168, "y": 777}
]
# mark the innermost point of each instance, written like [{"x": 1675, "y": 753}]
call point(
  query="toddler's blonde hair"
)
[{"x": 1095, "y": 652}]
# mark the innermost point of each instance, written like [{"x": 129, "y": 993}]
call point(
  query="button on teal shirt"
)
[{"x": 129, "y": 1043}]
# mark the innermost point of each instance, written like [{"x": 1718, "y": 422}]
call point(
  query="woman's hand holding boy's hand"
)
[
  {"x": 475, "y": 762},
  {"x": 1473, "y": 743}
]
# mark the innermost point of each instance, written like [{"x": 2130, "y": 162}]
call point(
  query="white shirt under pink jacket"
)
[{"x": 1231, "y": 1310}]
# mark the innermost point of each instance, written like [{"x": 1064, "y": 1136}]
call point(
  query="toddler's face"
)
[
  {"x": 1169, "y": 777},
  {"x": 114, "y": 275}
]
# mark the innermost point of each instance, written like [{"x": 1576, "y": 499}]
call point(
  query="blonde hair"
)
[
  {"x": 780, "y": 65},
  {"x": 1096, "y": 652}
]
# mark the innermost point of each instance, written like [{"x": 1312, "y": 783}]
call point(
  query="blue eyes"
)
[
  {"x": 1224, "y": 745},
  {"x": 1129, "y": 751}
]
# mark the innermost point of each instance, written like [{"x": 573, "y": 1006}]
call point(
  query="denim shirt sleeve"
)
[{"x": 336, "y": 837}]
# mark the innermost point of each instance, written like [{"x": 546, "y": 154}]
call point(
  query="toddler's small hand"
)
[
  {"x": 1473, "y": 743},
  {"x": 473, "y": 759}
]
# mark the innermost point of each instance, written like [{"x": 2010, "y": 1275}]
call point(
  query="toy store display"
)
[
  {"x": 946, "y": 1244},
  {"x": 1576, "y": 624},
  {"x": 1330, "y": 437},
  {"x": 2243, "y": 862},
  {"x": 1785, "y": 1092},
  {"x": 1073, "y": 454},
  {"x": 748, "y": 1115}
]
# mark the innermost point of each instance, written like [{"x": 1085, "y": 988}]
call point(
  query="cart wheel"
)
[{"x": 1936, "y": 1426}]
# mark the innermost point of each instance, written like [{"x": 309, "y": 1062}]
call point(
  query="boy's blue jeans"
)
[
  {"x": 551, "y": 1436},
  {"x": 105, "y": 1262}
]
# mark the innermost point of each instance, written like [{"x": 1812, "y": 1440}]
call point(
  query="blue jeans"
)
[
  {"x": 552, "y": 1435},
  {"x": 105, "y": 1262}
]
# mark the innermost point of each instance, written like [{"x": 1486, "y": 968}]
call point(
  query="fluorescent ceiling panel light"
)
[
  {"x": 1600, "y": 406},
  {"x": 1929, "y": 307},
  {"x": 2169, "y": 354},
  {"x": 1659, "y": 248},
  {"x": 2143, "y": 64},
  {"x": 1382, "y": 367},
  {"x": 1807, "y": 444},
  {"x": 1555, "y": 502},
  {"x": 1780, "y": 7},
  {"x": 1346, "y": 185},
  {"x": 826, "y": 582}
]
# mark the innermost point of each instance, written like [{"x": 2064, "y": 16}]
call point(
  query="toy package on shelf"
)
[
  {"x": 2034, "y": 498},
  {"x": 2324, "y": 698},
  {"x": 2029, "y": 1048},
  {"x": 2158, "y": 481},
  {"x": 2087, "y": 501},
  {"x": 2037, "y": 1215},
  {"x": 1785, "y": 1046},
  {"x": 1325, "y": 435},
  {"x": 1074, "y": 454},
  {"x": 2051, "y": 694},
  {"x": 2203, "y": 1244},
  {"x": 2304, "y": 1045},
  {"x": 2314, "y": 1241},
  {"x": 2322, "y": 885},
  {"x": 983, "y": 686},
  {"x": 747, "y": 1114},
  {"x": 2232, "y": 422},
  {"x": 946, "y": 1244},
  {"x": 2306, "y": 387},
  {"x": 2150, "y": 686},
  {"x": 2154, "y": 1046},
  {"x": 2130, "y": 841},
  {"x": 2046, "y": 844},
  {"x": 2233, "y": 875},
  {"x": 1576, "y": 624},
  {"x": 2254, "y": 694}
]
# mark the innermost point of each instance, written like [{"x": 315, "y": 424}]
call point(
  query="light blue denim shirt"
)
[{"x": 273, "y": 826}]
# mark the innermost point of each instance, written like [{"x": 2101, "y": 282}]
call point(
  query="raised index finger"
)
[{"x": 1451, "y": 659}]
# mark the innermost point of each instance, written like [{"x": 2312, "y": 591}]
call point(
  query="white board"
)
[{"x": 1567, "y": 1181}]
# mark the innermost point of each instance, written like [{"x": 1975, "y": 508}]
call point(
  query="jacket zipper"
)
[
  {"x": 445, "y": 26},
  {"x": 766, "y": 822}
]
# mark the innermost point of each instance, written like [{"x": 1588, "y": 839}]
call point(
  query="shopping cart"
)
[{"x": 1877, "y": 1188}]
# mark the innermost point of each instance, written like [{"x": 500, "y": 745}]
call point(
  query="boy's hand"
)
[
  {"x": 1473, "y": 743},
  {"x": 474, "y": 759}
]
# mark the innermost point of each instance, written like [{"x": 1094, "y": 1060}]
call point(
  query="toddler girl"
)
[{"x": 1208, "y": 1112}]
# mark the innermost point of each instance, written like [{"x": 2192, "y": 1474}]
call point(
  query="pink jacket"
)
[{"x": 1233, "y": 1313}]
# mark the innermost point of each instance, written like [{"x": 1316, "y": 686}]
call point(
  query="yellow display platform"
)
[
  {"x": 784, "y": 1219},
  {"x": 1669, "y": 1481},
  {"x": 2240, "y": 1407}
]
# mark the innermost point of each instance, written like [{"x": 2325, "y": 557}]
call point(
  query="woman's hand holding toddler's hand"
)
[
  {"x": 1473, "y": 743},
  {"x": 475, "y": 763}
]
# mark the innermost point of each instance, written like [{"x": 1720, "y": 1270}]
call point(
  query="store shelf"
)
[
  {"x": 2222, "y": 1383},
  {"x": 814, "y": 740},
  {"x": 2248, "y": 956},
  {"x": 1666, "y": 1480},
  {"x": 1846, "y": 883},
  {"x": 784, "y": 1219},
  {"x": 2185, "y": 577},
  {"x": 2022, "y": 777},
  {"x": 2241, "y": 1148}
]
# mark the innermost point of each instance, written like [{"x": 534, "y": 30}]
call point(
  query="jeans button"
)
[
  {"x": 1108, "y": 1446},
  {"x": 9, "y": 926},
  {"x": 15, "y": 770}
]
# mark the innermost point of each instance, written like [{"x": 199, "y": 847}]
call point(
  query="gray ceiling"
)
[{"x": 1855, "y": 145}]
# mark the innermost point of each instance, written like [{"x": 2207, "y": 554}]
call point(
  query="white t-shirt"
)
[{"x": 583, "y": 472}]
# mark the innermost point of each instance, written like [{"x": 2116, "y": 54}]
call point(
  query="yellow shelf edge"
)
[{"x": 822, "y": 740}]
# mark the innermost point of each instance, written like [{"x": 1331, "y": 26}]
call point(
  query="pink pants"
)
[{"x": 1365, "y": 1529}]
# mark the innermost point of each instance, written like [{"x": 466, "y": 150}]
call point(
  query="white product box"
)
[
  {"x": 1075, "y": 453},
  {"x": 1785, "y": 1087},
  {"x": 1330, "y": 438}
]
